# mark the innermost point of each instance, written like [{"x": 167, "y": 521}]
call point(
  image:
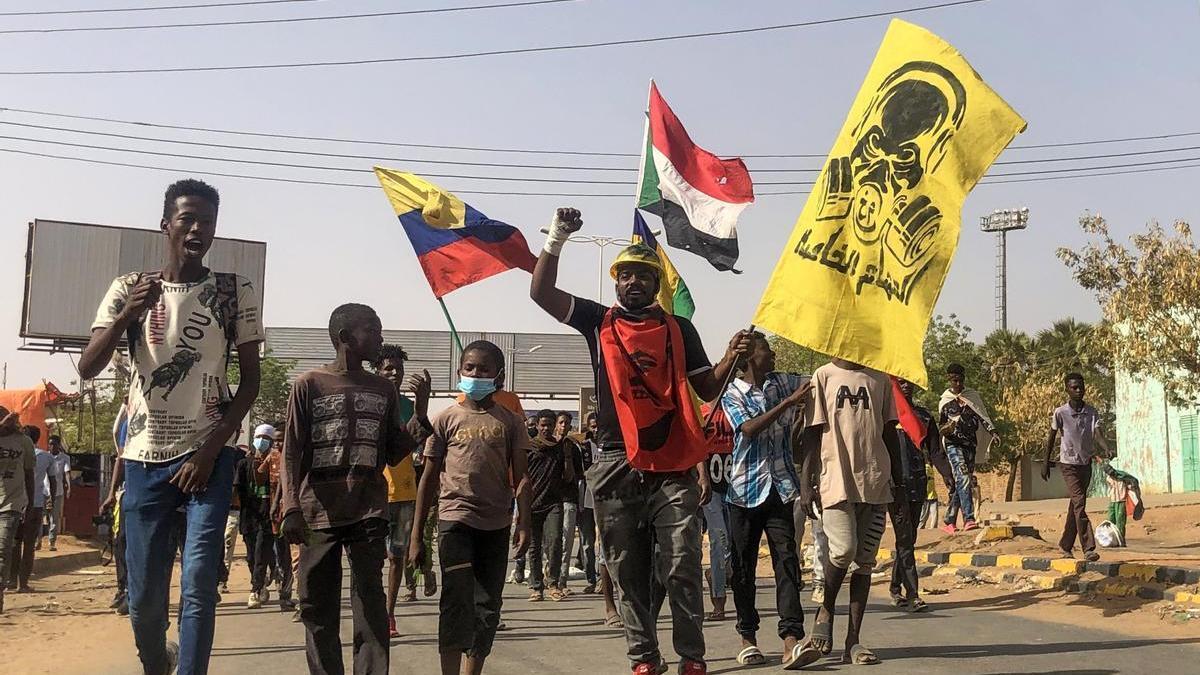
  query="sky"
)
[{"x": 1074, "y": 69}]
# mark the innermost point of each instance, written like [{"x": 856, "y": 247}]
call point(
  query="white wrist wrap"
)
[{"x": 557, "y": 237}]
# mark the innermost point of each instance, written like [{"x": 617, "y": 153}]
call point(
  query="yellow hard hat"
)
[{"x": 636, "y": 253}]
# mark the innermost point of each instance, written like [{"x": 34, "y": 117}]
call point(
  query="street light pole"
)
[
  {"x": 601, "y": 243},
  {"x": 1001, "y": 222}
]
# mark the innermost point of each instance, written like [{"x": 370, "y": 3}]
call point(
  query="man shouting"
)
[{"x": 649, "y": 478}]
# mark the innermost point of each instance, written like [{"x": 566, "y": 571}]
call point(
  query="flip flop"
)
[
  {"x": 614, "y": 621},
  {"x": 860, "y": 656},
  {"x": 823, "y": 632},
  {"x": 803, "y": 654},
  {"x": 751, "y": 656}
]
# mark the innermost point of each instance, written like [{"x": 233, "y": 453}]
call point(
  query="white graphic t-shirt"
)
[{"x": 178, "y": 386}]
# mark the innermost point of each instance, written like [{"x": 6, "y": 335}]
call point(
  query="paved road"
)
[{"x": 975, "y": 637}]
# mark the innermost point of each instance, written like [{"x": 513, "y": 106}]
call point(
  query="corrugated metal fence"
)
[{"x": 537, "y": 363}]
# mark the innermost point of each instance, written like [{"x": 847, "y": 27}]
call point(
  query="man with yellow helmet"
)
[{"x": 649, "y": 476}]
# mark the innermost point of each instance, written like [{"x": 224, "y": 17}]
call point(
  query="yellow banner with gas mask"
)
[{"x": 865, "y": 264}]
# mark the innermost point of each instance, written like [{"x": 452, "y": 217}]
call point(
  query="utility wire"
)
[
  {"x": 508, "y": 165},
  {"x": 427, "y": 146},
  {"x": 523, "y": 179},
  {"x": 112, "y": 10},
  {"x": 300, "y": 181},
  {"x": 494, "y": 52},
  {"x": 293, "y": 19}
]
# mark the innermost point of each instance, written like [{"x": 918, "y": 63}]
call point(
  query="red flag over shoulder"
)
[{"x": 908, "y": 418}]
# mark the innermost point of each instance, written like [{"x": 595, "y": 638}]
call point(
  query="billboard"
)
[{"x": 69, "y": 267}]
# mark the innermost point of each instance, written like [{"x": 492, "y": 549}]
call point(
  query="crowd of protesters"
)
[{"x": 360, "y": 470}]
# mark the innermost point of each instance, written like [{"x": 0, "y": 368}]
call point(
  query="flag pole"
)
[
  {"x": 724, "y": 385},
  {"x": 453, "y": 330}
]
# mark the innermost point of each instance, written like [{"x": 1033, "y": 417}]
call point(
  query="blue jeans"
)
[
  {"x": 962, "y": 467},
  {"x": 149, "y": 512},
  {"x": 716, "y": 520}
]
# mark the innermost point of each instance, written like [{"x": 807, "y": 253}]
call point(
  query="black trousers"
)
[
  {"x": 545, "y": 543},
  {"x": 321, "y": 597},
  {"x": 587, "y": 544},
  {"x": 746, "y": 528},
  {"x": 473, "y": 565},
  {"x": 263, "y": 558},
  {"x": 21, "y": 566},
  {"x": 904, "y": 569}
]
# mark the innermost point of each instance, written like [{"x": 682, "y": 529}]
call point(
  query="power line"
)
[
  {"x": 111, "y": 10},
  {"x": 494, "y": 52},
  {"x": 523, "y": 179},
  {"x": 528, "y": 151},
  {"x": 338, "y": 155},
  {"x": 293, "y": 19},
  {"x": 302, "y": 181},
  {"x": 409, "y": 160}
]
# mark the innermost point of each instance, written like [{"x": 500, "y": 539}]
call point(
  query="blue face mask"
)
[
  {"x": 262, "y": 444},
  {"x": 477, "y": 388}
]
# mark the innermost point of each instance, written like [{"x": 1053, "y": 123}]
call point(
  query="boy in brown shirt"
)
[
  {"x": 343, "y": 426},
  {"x": 476, "y": 456}
]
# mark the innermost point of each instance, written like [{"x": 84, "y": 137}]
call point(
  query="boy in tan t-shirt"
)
[
  {"x": 476, "y": 457},
  {"x": 848, "y": 475}
]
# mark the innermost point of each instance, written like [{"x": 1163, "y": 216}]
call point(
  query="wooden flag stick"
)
[{"x": 724, "y": 385}]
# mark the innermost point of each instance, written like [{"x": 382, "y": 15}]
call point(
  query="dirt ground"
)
[{"x": 1166, "y": 535}]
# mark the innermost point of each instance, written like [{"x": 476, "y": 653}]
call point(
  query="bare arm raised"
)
[{"x": 543, "y": 289}]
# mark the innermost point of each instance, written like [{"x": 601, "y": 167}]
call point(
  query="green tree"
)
[
  {"x": 792, "y": 358},
  {"x": 1149, "y": 292},
  {"x": 273, "y": 388}
]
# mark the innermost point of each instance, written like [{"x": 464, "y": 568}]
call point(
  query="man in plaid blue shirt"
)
[{"x": 762, "y": 406}]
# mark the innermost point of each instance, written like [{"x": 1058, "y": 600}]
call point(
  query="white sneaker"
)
[
  {"x": 818, "y": 595},
  {"x": 296, "y": 617},
  {"x": 253, "y": 602}
]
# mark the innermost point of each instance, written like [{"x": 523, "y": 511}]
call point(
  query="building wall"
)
[{"x": 1148, "y": 435}]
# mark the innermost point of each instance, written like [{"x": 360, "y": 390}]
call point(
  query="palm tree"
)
[
  {"x": 1007, "y": 353},
  {"x": 1065, "y": 346}
]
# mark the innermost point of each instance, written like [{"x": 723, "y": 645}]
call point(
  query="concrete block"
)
[
  {"x": 925, "y": 570},
  {"x": 938, "y": 558},
  {"x": 1149, "y": 593},
  {"x": 968, "y": 573},
  {"x": 1171, "y": 575},
  {"x": 884, "y": 554},
  {"x": 1047, "y": 583},
  {"x": 983, "y": 560},
  {"x": 1107, "y": 569},
  {"x": 921, "y": 556},
  {"x": 994, "y": 533},
  {"x": 1036, "y": 564},
  {"x": 1182, "y": 596},
  {"x": 945, "y": 571},
  {"x": 1138, "y": 571},
  {"x": 1192, "y": 577},
  {"x": 960, "y": 559},
  {"x": 1067, "y": 565},
  {"x": 1010, "y": 560}
]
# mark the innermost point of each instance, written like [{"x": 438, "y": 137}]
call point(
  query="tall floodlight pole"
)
[{"x": 1001, "y": 222}]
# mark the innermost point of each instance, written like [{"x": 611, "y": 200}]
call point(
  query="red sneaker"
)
[
  {"x": 392, "y": 632},
  {"x": 648, "y": 668},
  {"x": 949, "y": 528},
  {"x": 970, "y": 525},
  {"x": 692, "y": 668}
]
